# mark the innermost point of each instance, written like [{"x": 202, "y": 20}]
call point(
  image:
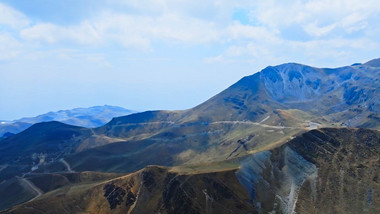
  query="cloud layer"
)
[
  {"x": 166, "y": 54},
  {"x": 274, "y": 27}
]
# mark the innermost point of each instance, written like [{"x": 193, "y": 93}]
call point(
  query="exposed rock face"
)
[
  {"x": 259, "y": 112},
  {"x": 322, "y": 171},
  {"x": 217, "y": 192},
  {"x": 170, "y": 192},
  {"x": 130, "y": 200},
  {"x": 114, "y": 195},
  {"x": 292, "y": 82},
  {"x": 274, "y": 179},
  {"x": 348, "y": 171}
]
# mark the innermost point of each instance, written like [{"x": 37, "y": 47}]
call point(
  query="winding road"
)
[
  {"x": 67, "y": 165},
  {"x": 33, "y": 187}
]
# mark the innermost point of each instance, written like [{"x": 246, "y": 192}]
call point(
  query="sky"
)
[{"x": 166, "y": 54}]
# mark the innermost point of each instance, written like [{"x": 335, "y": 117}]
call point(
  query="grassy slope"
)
[
  {"x": 225, "y": 127},
  {"x": 156, "y": 189},
  {"x": 214, "y": 188}
]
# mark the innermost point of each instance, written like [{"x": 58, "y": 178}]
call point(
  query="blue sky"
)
[{"x": 166, "y": 54}]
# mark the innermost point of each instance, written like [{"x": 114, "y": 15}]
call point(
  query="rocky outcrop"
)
[
  {"x": 114, "y": 195},
  {"x": 259, "y": 112},
  {"x": 274, "y": 178},
  {"x": 292, "y": 82},
  {"x": 321, "y": 171}
]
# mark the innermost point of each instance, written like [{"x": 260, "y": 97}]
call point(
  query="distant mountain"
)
[
  {"x": 86, "y": 117},
  {"x": 259, "y": 113},
  {"x": 13, "y": 127},
  {"x": 6, "y": 134}
]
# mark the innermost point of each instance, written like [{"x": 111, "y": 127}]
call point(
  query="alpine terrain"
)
[{"x": 289, "y": 139}]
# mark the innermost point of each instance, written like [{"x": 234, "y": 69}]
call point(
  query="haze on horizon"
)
[{"x": 165, "y": 54}]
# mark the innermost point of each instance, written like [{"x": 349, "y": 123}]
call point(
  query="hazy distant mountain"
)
[
  {"x": 7, "y": 134},
  {"x": 86, "y": 117},
  {"x": 13, "y": 127},
  {"x": 251, "y": 119}
]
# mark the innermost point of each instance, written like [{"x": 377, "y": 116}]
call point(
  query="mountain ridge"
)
[
  {"x": 299, "y": 176},
  {"x": 90, "y": 117},
  {"x": 258, "y": 113}
]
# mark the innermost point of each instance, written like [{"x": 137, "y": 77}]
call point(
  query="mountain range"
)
[
  {"x": 290, "y": 138},
  {"x": 87, "y": 117}
]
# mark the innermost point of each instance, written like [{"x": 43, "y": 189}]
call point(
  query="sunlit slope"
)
[
  {"x": 269, "y": 107},
  {"x": 260, "y": 112},
  {"x": 325, "y": 170}
]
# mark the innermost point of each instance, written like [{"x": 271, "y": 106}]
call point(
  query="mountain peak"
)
[{"x": 291, "y": 82}]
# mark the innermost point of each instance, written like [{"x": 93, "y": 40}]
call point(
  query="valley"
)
[
  {"x": 289, "y": 139},
  {"x": 291, "y": 178}
]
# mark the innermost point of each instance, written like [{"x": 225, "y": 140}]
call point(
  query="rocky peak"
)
[{"x": 291, "y": 82}]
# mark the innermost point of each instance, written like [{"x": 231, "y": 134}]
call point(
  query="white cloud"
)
[
  {"x": 354, "y": 22},
  {"x": 127, "y": 30},
  {"x": 124, "y": 50},
  {"x": 315, "y": 30},
  {"x": 83, "y": 33},
  {"x": 216, "y": 59},
  {"x": 172, "y": 27},
  {"x": 9, "y": 47},
  {"x": 318, "y": 17},
  {"x": 11, "y": 17},
  {"x": 190, "y": 23},
  {"x": 239, "y": 31}
]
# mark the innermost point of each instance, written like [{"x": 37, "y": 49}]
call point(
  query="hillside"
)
[
  {"x": 39, "y": 144},
  {"x": 298, "y": 176},
  {"x": 259, "y": 113},
  {"x": 322, "y": 171}
]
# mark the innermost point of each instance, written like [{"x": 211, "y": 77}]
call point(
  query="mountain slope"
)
[
  {"x": 299, "y": 176},
  {"x": 322, "y": 171},
  {"x": 258, "y": 113},
  {"x": 260, "y": 109},
  {"x": 151, "y": 190},
  {"x": 20, "y": 189},
  {"x": 320, "y": 92},
  {"x": 41, "y": 143}
]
